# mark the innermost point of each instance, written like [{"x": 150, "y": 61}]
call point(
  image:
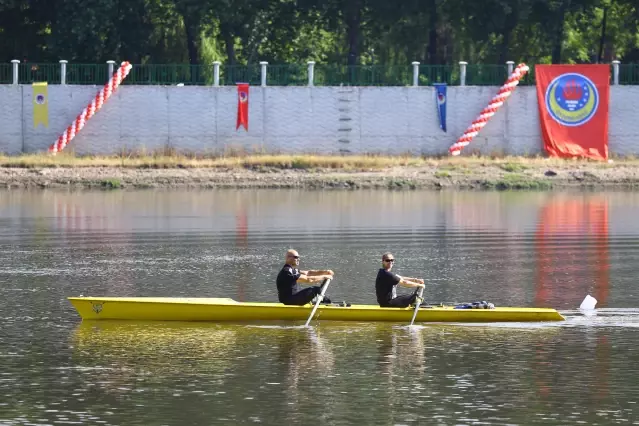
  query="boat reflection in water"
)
[
  {"x": 296, "y": 374},
  {"x": 118, "y": 355},
  {"x": 222, "y": 364}
]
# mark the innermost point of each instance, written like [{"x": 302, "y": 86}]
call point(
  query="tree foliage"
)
[{"x": 327, "y": 31}]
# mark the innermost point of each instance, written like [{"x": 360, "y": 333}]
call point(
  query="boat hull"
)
[{"x": 229, "y": 310}]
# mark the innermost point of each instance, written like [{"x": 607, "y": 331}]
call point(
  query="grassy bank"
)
[
  {"x": 314, "y": 171},
  {"x": 300, "y": 162}
]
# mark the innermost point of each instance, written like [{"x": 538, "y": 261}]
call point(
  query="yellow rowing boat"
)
[{"x": 229, "y": 310}]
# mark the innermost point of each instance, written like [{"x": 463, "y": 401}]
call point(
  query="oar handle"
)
[
  {"x": 325, "y": 284},
  {"x": 420, "y": 294},
  {"x": 418, "y": 301},
  {"x": 324, "y": 287}
]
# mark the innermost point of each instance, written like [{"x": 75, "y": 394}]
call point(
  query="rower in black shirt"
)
[
  {"x": 387, "y": 281},
  {"x": 289, "y": 291}
]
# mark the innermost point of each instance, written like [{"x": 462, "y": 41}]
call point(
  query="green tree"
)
[{"x": 346, "y": 32}]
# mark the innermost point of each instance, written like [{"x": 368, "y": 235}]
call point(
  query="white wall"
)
[{"x": 292, "y": 119}]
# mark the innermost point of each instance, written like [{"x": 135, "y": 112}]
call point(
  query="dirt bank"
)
[{"x": 479, "y": 174}]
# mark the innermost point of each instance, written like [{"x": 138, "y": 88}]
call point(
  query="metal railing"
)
[
  {"x": 32, "y": 72},
  {"x": 429, "y": 74},
  {"x": 232, "y": 74},
  {"x": 362, "y": 75},
  {"x": 6, "y": 74},
  {"x": 87, "y": 74},
  {"x": 197, "y": 75},
  {"x": 629, "y": 74},
  {"x": 217, "y": 74}
]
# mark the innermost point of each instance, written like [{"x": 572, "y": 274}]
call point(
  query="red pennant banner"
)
[
  {"x": 242, "y": 105},
  {"x": 573, "y": 109}
]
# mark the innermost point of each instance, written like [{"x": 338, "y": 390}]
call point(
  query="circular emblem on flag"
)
[
  {"x": 441, "y": 98},
  {"x": 572, "y": 99},
  {"x": 243, "y": 97},
  {"x": 39, "y": 99}
]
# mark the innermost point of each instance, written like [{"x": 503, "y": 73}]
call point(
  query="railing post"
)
[
  {"x": 511, "y": 66},
  {"x": 216, "y": 73},
  {"x": 415, "y": 74},
  {"x": 263, "y": 64},
  {"x": 462, "y": 73},
  {"x": 63, "y": 71},
  {"x": 111, "y": 65},
  {"x": 15, "y": 63},
  {"x": 311, "y": 73},
  {"x": 615, "y": 72}
]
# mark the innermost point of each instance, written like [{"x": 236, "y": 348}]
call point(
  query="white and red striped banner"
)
[{"x": 89, "y": 111}]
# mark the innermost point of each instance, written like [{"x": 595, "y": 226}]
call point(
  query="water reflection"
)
[
  {"x": 401, "y": 349},
  {"x": 505, "y": 247},
  {"x": 525, "y": 249},
  {"x": 242, "y": 247},
  {"x": 572, "y": 249},
  {"x": 300, "y": 373},
  {"x": 210, "y": 360}
]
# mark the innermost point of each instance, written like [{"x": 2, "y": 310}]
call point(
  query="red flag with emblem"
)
[
  {"x": 573, "y": 109},
  {"x": 242, "y": 105}
]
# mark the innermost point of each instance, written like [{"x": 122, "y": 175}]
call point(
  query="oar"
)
[
  {"x": 327, "y": 281},
  {"x": 418, "y": 301}
]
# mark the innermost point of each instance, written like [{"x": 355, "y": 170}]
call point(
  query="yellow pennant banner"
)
[{"x": 40, "y": 104}]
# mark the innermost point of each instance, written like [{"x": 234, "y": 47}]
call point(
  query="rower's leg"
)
[
  {"x": 402, "y": 301},
  {"x": 305, "y": 296},
  {"x": 318, "y": 291}
]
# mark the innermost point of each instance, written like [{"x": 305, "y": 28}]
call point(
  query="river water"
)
[{"x": 510, "y": 248}]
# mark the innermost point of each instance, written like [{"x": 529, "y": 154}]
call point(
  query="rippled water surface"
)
[{"x": 522, "y": 249}]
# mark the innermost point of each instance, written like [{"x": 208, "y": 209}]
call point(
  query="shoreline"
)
[{"x": 316, "y": 172}]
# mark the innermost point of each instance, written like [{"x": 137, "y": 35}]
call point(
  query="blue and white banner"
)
[{"x": 440, "y": 98}]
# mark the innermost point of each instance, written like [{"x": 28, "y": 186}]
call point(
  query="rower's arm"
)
[
  {"x": 313, "y": 279},
  {"x": 411, "y": 282},
  {"x": 315, "y": 272}
]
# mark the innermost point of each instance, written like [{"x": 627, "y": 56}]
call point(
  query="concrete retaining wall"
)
[{"x": 291, "y": 119}]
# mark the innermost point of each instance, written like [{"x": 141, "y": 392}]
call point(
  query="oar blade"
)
[{"x": 588, "y": 303}]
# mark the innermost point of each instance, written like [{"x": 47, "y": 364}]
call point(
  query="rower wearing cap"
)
[
  {"x": 387, "y": 281},
  {"x": 288, "y": 289}
]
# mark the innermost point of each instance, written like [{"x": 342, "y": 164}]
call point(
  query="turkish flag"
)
[
  {"x": 573, "y": 109},
  {"x": 242, "y": 105}
]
